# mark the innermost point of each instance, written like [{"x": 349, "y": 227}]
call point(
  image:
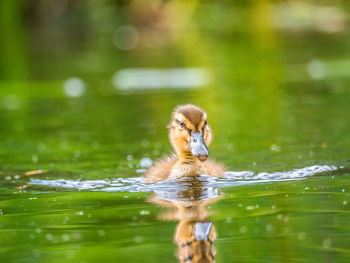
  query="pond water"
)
[{"x": 81, "y": 122}]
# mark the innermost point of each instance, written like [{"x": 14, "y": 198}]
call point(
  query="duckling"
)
[{"x": 189, "y": 135}]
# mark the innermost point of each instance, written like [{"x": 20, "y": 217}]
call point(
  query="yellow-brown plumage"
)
[
  {"x": 186, "y": 120},
  {"x": 195, "y": 243}
]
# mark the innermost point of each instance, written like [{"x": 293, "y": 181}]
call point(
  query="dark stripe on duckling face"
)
[{"x": 181, "y": 123}]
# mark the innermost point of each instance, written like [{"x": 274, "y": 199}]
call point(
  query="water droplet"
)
[
  {"x": 269, "y": 227},
  {"x": 11, "y": 103},
  {"x": 76, "y": 154},
  {"x": 74, "y": 87},
  {"x": 327, "y": 243},
  {"x": 49, "y": 237},
  {"x": 316, "y": 69},
  {"x": 243, "y": 229},
  {"x": 228, "y": 146},
  {"x": 36, "y": 252},
  {"x": 144, "y": 212},
  {"x": 138, "y": 239},
  {"x": 95, "y": 145},
  {"x": 146, "y": 162},
  {"x": 145, "y": 143},
  {"x": 41, "y": 147},
  {"x": 65, "y": 237},
  {"x": 155, "y": 152},
  {"x": 101, "y": 233},
  {"x": 275, "y": 148},
  {"x": 35, "y": 158},
  {"x": 76, "y": 236},
  {"x": 301, "y": 235}
]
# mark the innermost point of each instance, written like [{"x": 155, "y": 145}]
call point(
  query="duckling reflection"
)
[
  {"x": 189, "y": 135},
  {"x": 194, "y": 233}
]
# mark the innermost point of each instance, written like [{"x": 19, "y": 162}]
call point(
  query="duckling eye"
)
[
  {"x": 205, "y": 122},
  {"x": 182, "y": 124}
]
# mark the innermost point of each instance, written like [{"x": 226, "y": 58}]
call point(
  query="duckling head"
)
[{"x": 189, "y": 132}]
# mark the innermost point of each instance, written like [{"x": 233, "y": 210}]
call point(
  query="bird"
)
[{"x": 189, "y": 135}]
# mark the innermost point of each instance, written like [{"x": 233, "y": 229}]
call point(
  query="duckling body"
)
[{"x": 189, "y": 135}]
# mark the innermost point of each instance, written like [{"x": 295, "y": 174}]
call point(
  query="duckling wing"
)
[
  {"x": 160, "y": 170},
  {"x": 214, "y": 169}
]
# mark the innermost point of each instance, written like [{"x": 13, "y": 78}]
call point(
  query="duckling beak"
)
[{"x": 198, "y": 146}]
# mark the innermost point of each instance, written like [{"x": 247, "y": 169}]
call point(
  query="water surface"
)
[{"x": 76, "y": 134}]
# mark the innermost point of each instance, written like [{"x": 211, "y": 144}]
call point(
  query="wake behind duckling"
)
[{"x": 138, "y": 184}]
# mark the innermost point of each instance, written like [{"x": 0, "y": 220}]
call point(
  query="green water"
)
[{"x": 278, "y": 99}]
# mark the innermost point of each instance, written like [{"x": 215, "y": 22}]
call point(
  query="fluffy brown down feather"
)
[{"x": 161, "y": 170}]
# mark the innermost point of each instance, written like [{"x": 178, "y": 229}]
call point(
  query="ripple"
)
[{"x": 207, "y": 186}]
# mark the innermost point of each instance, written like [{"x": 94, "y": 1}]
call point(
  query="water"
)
[
  {"x": 139, "y": 184},
  {"x": 84, "y": 113}
]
